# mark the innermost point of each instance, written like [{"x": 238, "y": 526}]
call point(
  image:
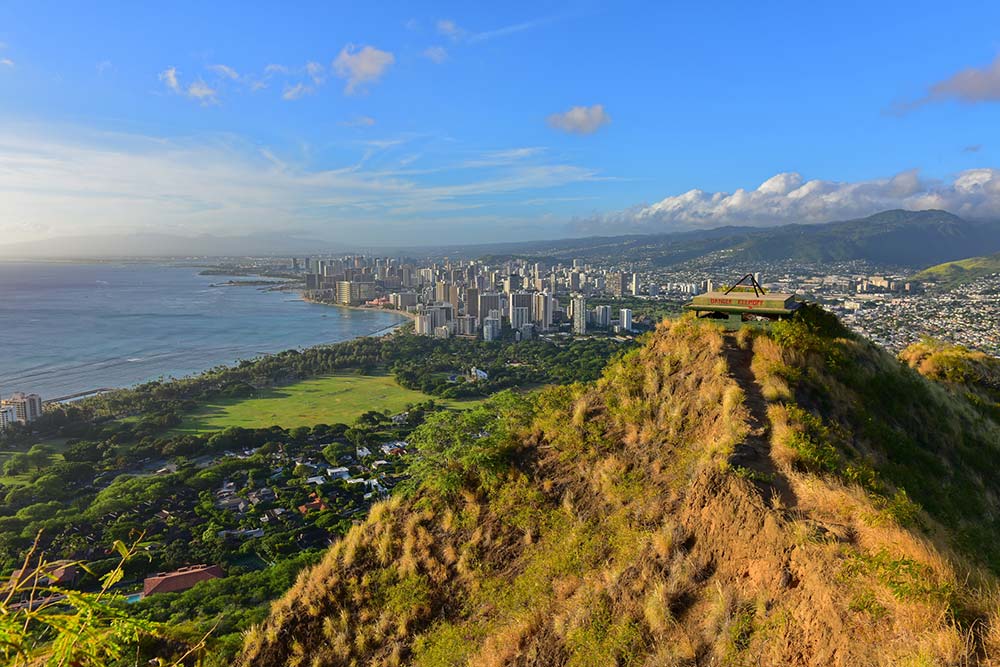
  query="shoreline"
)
[
  {"x": 115, "y": 379},
  {"x": 408, "y": 315}
]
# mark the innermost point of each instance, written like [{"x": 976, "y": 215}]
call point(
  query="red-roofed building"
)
[
  {"x": 180, "y": 580},
  {"x": 315, "y": 504},
  {"x": 57, "y": 573}
]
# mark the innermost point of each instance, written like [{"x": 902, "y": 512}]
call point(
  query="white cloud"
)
[
  {"x": 504, "y": 157},
  {"x": 316, "y": 72},
  {"x": 511, "y": 29},
  {"x": 580, "y": 120},
  {"x": 169, "y": 79},
  {"x": 201, "y": 91},
  {"x": 104, "y": 66},
  {"x": 452, "y": 30},
  {"x": 225, "y": 71},
  {"x": 197, "y": 90},
  {"x": 295, "y": 92},
  {"x": 970, "y": 86},
  {"x": 437, "y": 54},
  {"x": 788, "y": 198},
  {"x": 449, "y": 28},
  {"x": 359, "y": 121},
  {"x": 361, "y": 66},
  {"x": 275, "y": 69},
  {"x": 6, "y": 62}
]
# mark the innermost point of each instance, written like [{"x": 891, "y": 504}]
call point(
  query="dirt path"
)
[{"x": 754, "y": 453}]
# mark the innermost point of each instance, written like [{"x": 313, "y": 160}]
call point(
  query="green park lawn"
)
[{"x": 326, "y": 400}]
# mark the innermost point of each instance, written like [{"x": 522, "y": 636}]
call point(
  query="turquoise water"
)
[
  {"x": 132, "y": 599},
  {"x": 67, "y": 328}
]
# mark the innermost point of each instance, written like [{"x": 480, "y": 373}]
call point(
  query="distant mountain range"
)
[
  {"x": 148, "y": 245},
  {"x": 907, "y": 238}
]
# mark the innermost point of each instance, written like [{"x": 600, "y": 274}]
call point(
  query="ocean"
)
[{"x": 69, "y": 328}]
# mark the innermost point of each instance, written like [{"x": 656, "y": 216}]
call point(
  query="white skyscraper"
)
[
  {"x": 625, "y": 319},
  {"x": 579, "y": 304}
]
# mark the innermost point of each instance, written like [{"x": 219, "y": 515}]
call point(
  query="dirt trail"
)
[{"x": 754, "y": 453}]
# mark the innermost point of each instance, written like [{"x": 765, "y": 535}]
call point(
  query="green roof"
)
[{"x": 744, "y": 302}]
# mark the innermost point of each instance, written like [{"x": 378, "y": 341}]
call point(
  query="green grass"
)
[
  {"x": 326, "y": 400},
  {"x": 952, "y": 274},
  {"x": 57, "y": 444}
]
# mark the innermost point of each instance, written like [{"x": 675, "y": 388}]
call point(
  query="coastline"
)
[
  {"x": 411, "y": 316},
  {"x": 116, "y": 350}
]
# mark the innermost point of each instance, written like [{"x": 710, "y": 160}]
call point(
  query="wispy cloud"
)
[
  {"x": 449, "y": 28},
  {"x": 197, "y": 90},
  {"x": 974, "y": 148},
  {"x": 103, "y": 67},
  {"x": 316, "y": 72},
  {"x": 436, "y": 54},
  {"x": 225, "y": 71},
  {"x": 361, "y": 66},
  {"x": 295, "y": 92},
  {"x": 504, "y": 157},
  {"x": 788, "y": 197},
  {"x": 223, "y": 185},
  {"x": 972, "y": 85},
  {"x": 169, "y": 79},
  {"x": 6, "y": 62},
  {"x": 580, "y": 120},
  {"x": 359, "y": 121},
  {"x": 201, "y": 91}
]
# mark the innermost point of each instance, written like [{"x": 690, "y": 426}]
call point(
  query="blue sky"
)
[{"x": 397, "y": 122}]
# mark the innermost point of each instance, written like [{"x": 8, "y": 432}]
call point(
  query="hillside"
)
[
  {"x": 797, "y": 498},
  {"x": 909, "y": 238},
  {"x": 906, "y": 238},
  {"x": 952, "y": 274}
]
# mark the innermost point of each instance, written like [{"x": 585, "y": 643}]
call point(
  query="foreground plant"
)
[{"x": 44, "y": 624}]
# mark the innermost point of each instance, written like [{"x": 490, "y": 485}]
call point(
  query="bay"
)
[{"x": 68, "y": 328}]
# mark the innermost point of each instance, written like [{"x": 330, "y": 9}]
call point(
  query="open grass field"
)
[
  {"x": 57, "y": 445},
  {"x": 327, "y": 400}
]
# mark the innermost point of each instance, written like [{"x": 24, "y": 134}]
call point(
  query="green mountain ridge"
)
[
  {"x": 898, "y": 237},
  {"x": 798, "y": 498}
]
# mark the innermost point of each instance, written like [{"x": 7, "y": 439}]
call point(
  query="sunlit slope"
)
[
  {"x": 952, "y": 274},
  {"x": 800, "y": 498}
]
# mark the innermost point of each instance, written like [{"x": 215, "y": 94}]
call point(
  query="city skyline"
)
[{"x": 531, "y": 121}]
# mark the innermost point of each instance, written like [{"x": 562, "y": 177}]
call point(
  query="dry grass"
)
[{"x": 619, "y": 539}]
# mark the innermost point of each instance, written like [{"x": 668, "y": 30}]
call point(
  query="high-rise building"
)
[
  {"x": 519, "y": 300},
  {"x": 491, "y": 329},
  {"x": 441, "y": 314},
  {"x": 403, "y": 300},
  {"x": 472, "y": 302},
  {"x": 519, "y": 316},
  {"x": 542, "y": 312},
  {"x": 634, "y": 289},
  {"x": 602, "y": 317},
  {"x": 625, "y": 319},
  {"x": 27, "y": 407},
  {"x": 487, "y": 302},
  {"x": 422, "y": 325},
  {"x": 617, "y": 283},
  {"x": 467, "y": 325},
  {"x": 8, "y": 415},
  {"x": 579, "y": 305}
]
